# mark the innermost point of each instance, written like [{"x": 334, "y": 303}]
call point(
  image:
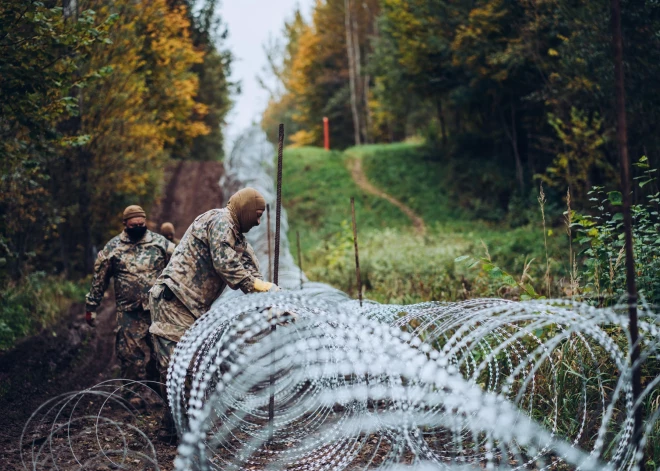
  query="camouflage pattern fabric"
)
[
  {"x": 164, "y": 349},
  {"x": 212, "y": 254},
  {"x": 134, "y": 346},
  {"x": 135, "y": 267},
  {"x": 170, "y": 317}
]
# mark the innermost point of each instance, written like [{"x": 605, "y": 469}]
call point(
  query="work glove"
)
[
  {"x": 261, "y": 286},
  {"x": 90, "y": 318}
]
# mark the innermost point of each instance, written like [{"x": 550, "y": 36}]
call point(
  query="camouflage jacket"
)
[
  {"x": 135, "y": 267},
  {"x": 212, "y": 254}
]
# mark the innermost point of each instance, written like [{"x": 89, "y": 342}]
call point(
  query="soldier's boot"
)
[{"x": 167, "y": 432}]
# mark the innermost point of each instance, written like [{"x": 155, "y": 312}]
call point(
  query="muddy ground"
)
[{"x": 72, "y": 356}]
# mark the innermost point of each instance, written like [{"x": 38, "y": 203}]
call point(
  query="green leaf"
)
[
  {"x": 462, "y": 258},
  {"x": 615, "y": 197},
  {"x": 509, "y": 280}
]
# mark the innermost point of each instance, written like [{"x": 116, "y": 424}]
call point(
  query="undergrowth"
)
[{"x": 36, "y": 303}]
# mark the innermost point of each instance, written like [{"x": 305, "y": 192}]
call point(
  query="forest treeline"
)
[
  {"x": 504, "y": 92},
  {"x": 97, "y": 95}
]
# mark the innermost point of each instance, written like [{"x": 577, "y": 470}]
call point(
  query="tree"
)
[
  {"x": 317, "y": 77},
  {"x": 208, "y": 34},
  {"x": 39, "y": 66}
]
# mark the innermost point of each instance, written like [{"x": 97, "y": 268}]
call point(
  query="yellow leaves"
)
[
  {"x": 303, "y": 138},
  {"x": 146, "y": 104},
  {"x": 582, "y": 138},
  {"x": 552, "y": 52}
]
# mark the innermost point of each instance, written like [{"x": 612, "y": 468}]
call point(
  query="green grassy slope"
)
[
  {"x": 399, "y": 266},
  {"x": 316, "y": 193},
  {"x": 404, "y": 174}
]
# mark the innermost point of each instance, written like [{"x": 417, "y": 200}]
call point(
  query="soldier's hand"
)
[
  {"x": 261, "y": 286},
  {"x": 90, "y": 318},
  {"x": 274, "y": 288}
]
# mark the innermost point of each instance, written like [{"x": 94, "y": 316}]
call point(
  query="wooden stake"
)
[
  {"x": 299, "y": 259},
  {"x": 276, "y": 276},
  {"x": 357, "y": 255}
]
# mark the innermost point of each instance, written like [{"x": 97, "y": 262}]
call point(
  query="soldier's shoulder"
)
[
  {"x": 158, "y": 238},
  {"x": 113, "y": 243},
  {"x": 211, "y": 218},
  {"x": 162, "y": 242},
  {"x": 210, "y": 215}
]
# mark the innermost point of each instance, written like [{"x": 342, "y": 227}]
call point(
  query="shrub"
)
[
  {"x": 602, "y": 235},
  {"x": 33, "y": 304}
]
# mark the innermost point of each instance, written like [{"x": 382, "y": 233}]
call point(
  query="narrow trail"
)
[
  {"x": 191, "y": 189},
  {"x": 72, "y": 356},
  {"x": 360, "y": 178}
]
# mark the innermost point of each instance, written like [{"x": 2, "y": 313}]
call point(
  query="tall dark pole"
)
[
  {"x": 276, "y": 275},
  {"x": 357, "y": 255},
  {"x": 270, "y": 253},
  {"x": 299, "y": 259},
  {"x": 622, "y": 143}
]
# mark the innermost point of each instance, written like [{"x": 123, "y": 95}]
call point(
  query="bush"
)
[
  {"x": 603, "y": 272},
  {"x": 33, "y": 304}
]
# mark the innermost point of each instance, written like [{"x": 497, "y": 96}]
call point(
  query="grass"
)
[
  {"x": 316, "y": 194},
  {"x": 438, "y": 189},
  {"x": 410, "y": 178},
  {"x": 35, "y": 303},
  {"x": 399, "y": 266}
]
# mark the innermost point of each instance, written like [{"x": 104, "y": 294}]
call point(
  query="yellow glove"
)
[{"x": 261, "y": 286}]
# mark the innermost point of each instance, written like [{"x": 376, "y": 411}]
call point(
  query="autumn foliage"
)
[
  {"x": 504, "y": 92},
  {"x": 97, "y": 96}
]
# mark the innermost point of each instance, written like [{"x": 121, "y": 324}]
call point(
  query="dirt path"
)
[
  {"x": 361, "y": 180},
  {"x": 191, "y": 189},
  {"x": 72, "y": 356}
]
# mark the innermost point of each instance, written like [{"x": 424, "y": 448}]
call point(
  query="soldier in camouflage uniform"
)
[
  {"x": 167, "y": 230},
  {"x": 212, "y": 254},
  {"x": 134, "y": 258}
]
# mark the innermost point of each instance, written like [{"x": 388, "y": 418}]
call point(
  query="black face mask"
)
[{"x": 136, "y": 233}]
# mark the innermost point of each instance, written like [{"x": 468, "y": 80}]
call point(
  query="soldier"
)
[
  {"x": 213, "y": 254},
  {"x": 134, "y": 258},
  {"x": 167, "y": 230}
]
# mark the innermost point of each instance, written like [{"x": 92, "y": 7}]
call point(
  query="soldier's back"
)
[{"x": 191, "y": 274}]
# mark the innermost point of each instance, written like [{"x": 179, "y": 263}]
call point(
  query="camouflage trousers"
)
[
  {"x": 164, "y": 308},
  {"x": 134, "y": 345}
]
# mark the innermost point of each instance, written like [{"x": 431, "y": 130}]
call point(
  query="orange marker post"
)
[{"x": 326, "y": 134}]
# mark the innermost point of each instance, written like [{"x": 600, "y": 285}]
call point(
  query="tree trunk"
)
[
  {"x": 362, "y": 84},
  {"x": 512, "y": 135},
  {"x": 352, "y": 77},
  {"x": 516, "y": 153},
  {"x": 631, "y": 287},
  {"x": 457, "y": 120},
  {"x": 443, "y": 128}
]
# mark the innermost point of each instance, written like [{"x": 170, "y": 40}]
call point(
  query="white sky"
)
[{"x": 250, "y": 22}]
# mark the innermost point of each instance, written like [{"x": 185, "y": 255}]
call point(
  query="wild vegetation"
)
[
  {"x": 548, "y": 251},
  {"x": 504, "y": 93},
  {"x": 97, "y": 96}
]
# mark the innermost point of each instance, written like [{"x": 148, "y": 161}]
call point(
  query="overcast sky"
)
[{"x": 250, "y": 22}]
